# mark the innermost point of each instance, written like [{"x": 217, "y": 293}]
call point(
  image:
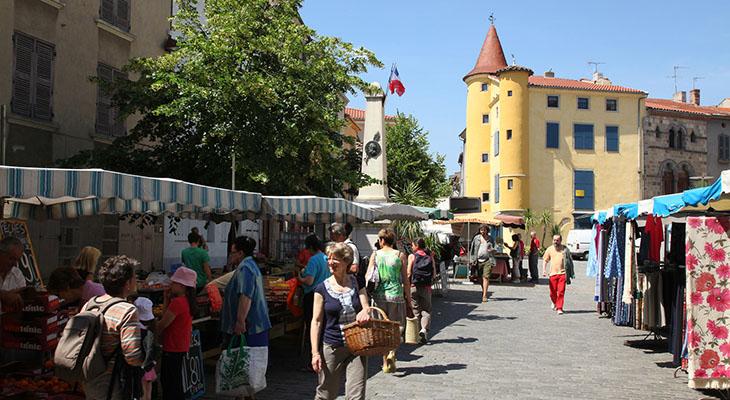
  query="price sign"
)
[
  {"x": 193, "y": 374},
  {"x": 28, "y": 264}
]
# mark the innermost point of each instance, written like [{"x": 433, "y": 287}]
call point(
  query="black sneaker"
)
[{"x": 422, "y": 335}]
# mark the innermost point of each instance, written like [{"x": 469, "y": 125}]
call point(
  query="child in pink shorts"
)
[{"x": 147, "y": 318}]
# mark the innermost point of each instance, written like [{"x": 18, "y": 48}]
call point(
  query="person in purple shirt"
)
[{"x": 66, "y": 283}]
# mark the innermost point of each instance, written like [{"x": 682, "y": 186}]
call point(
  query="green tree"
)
[
  {"x": 410, "y": 163},
  {"x": 251, "y": 81}
]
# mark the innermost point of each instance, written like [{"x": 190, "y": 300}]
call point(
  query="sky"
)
[{"x": 435, "y": 43}]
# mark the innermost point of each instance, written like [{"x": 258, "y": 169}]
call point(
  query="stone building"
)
[
  {"x": 680, "y": 142},
  {"x": 51, "y": 49}
]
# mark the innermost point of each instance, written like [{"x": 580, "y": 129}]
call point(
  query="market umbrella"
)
[
  {"x": 395, "y": 211},
  {"x": 436, "y": 213}
]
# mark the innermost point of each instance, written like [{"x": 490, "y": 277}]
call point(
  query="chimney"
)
[
  {"x": 550, "y": 74},
  {"x": 694, "y": 96},
  {"x": 680, "y": 96}
]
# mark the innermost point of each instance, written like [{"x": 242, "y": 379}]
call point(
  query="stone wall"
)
[{"x": 658, "y": 156}]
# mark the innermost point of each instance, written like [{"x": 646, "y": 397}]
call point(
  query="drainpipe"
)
[
  {"x": 641, "y": 148},
  {"x": 3, "y": 131}
]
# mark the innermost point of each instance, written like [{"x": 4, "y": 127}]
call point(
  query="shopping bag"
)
[{"x": 241, "y": 371}]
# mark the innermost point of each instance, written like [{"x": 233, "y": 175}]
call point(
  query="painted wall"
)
[
  {"x": 616, "y": 174},
  {"x": 80, "y": 44},
  {"x": 514, "y": 101},
  {"x": 477, "y": 174}
]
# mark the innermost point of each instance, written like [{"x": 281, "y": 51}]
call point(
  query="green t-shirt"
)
[{"x": 194, "y": 258}]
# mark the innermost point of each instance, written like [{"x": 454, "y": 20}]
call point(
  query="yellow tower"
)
[
  {"x": 514, "y": 122},
  {"x": 482, "y": 120}
]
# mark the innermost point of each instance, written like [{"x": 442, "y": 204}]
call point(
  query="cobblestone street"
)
[{"x": 513, "y": 347}]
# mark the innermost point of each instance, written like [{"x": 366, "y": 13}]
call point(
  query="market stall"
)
[
  {"x": 468, "y": 224},
  {"x": 660, "y": 267},
  {"x": 40, "y": 194}
]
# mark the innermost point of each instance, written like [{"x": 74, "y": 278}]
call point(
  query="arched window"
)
[
  {"x": 680, "y": 139},
  {"x": 671, "y": 138},
  {"x": 668, "y": 179},
  {"x": 683, "y": 179},
  {"x": 692, "y": 137},
  {"x": 658, "y": 132}
]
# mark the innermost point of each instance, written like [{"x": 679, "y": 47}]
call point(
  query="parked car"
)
[{"x": 579, "y": 242}]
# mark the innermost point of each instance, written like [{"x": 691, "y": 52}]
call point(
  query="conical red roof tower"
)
[{"x": 491, "y": 57}]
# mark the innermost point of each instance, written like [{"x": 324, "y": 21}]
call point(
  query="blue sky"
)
[{"x": 435, "y": 43}]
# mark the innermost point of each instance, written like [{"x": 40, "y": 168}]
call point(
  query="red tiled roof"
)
[
  {"x": 678, "y": 106},
  {"x": 359, "y": 115},
  {"x": 560, "y": 83},
  {"x": 491, "y": 57}
]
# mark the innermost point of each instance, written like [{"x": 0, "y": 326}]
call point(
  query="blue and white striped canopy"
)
[
  {"x": 315, "y": 210},
  {"x": 70, "y": 193}
]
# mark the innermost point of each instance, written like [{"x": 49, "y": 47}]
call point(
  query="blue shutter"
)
[
  {"x": 583, "y": 181},
  {"x": 496, "y": 188},
  {"x": 496, "y": 143},
  {"x": 612, "y": 138},
  {"x": 553, "y": 135},
  {"x": 583, "y": 136}
]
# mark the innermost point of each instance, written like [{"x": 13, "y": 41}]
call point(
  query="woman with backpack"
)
[
  {"x": 421, "y": 272},
  {"x": 392, "y": 293},
  {"x": 176, "y": 328}
]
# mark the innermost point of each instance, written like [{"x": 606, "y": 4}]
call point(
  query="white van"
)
[{"x": 579, "y": 241}]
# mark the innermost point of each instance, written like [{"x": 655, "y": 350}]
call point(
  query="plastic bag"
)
[
  {"x": 241, "y": 371},
  {"x": 157, "y": 278}
]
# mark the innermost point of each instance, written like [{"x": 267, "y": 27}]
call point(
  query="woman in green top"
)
[{"x": 393, "y": 294}]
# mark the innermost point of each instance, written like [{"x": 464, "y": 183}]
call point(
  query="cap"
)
[
  {"x": 185, "y": 276},
  {"x": 144, "y": 309}
]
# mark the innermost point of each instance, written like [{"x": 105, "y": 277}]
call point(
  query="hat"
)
[
  {"x": 185, "y": 276},
  {"x": 144, "y": 309}
]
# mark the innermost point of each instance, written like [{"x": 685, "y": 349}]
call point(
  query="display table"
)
[{"x": 501, "y": 270}]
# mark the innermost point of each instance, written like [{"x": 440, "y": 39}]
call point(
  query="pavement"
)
[{"x": 513, "y": 347}]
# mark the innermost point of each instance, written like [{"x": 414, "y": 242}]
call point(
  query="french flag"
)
[{"x": 394, "y": 82}]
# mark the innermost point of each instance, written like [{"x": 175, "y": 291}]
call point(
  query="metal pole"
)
[
  {"x": 233, "y": 171},
  {"x": 3, "y": 130}
]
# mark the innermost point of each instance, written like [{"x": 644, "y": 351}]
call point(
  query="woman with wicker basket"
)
[
  {"x": 338, "y": 302},
  {"x": 393, "y": 291}
]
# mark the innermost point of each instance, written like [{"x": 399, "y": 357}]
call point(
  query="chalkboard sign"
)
[
  {"x": 28, "y": 263},
  {"x": 193, "y": 374}
]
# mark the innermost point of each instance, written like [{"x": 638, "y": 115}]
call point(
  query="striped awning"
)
[
  {"x": 70, "y": 193},
  {"x": 315, "y": 210}
]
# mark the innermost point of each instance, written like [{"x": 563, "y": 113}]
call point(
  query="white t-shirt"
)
[
  {"x": 13, "y": 280},
  {"x": 355, "y": 252}
]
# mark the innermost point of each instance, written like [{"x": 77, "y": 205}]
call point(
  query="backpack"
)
[
  {"x": 78, "y": 356},
  {"x": 422, "y": 270}
]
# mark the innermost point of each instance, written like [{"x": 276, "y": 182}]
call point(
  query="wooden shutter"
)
[
  {"x": 106, "y": 11},
  {"x": 119, "y": 127},
  {"x": 42, "y": 105},
  {"x": 23, "y": 74},
  {"x": 104, "y": 119},
  {"x": 122, "y": 14}
]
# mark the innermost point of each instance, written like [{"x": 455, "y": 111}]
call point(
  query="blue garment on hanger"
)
[
  {"x": 615, "y": 257},
  {"x": 592, "y": 266}
]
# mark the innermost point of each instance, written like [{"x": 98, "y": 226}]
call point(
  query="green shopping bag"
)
[{"x": 241, "y": 371}]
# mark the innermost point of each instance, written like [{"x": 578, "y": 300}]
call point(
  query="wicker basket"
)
[{"x": 374, "y": 338}]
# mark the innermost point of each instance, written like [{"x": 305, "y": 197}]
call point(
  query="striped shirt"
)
[{"x": 121, "y": 325}]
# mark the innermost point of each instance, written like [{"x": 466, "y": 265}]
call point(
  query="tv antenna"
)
[
  {"x": 694, "y": 81},
  {"x": 675, "y": 76},
  {"x": 595, "y": 65},
  {"x": 514, "y": 62},
  {"x": 492, "y": 19}
]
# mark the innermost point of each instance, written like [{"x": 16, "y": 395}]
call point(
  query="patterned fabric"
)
[
  {"x": 121, "y": 326},
  {"x": 348, "y": 314},
  {"x": 391, "y": 282},
  {"x": 615, "y": 257},
  {"x": 708, "y": 301}
]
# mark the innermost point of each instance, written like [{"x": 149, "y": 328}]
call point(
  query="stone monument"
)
[{"x": 374, "y": 163}]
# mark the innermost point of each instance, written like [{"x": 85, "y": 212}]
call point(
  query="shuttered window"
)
[
  {"x": 116, "y": 12},
  {"x": 552, "y": 140},
  {"x": 108, "y": 120},
  {"x": 724, "y": 148},
  {"x": 612, "y": 138},
  {"x": 32, "y": 77},
  {"x": 583, "y": 136}
]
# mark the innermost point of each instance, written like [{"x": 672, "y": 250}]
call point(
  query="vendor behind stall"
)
[
  {"x": 11, "y": 278},
  {"x": 197, "y": 259}
]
